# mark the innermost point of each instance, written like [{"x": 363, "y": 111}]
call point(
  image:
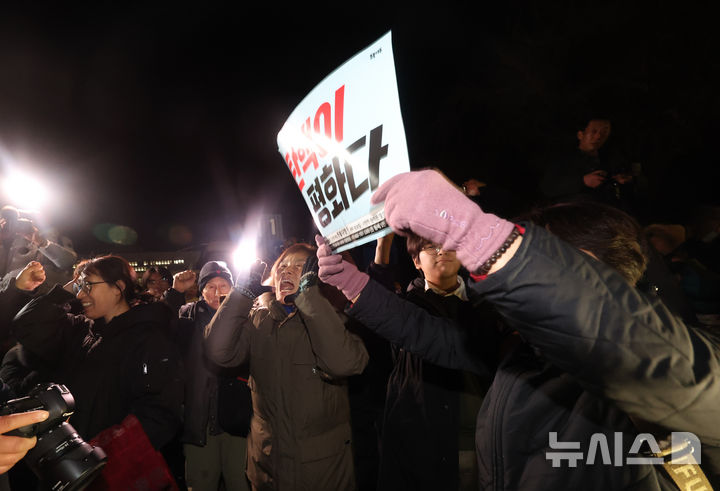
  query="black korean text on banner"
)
[
  {"x": 334, "y": 190},
  {"x": 343, "y": 141}
]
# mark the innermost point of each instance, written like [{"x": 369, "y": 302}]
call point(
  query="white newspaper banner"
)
[{"x": 344, "y": 140}]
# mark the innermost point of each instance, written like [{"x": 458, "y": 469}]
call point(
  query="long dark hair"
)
[{"x": 113, "y": 269}]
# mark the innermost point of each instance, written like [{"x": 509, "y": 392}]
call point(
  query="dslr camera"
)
[{"x": 61, "y": 459}]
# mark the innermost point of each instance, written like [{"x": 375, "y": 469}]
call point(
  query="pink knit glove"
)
[
  {"x": 335, "y": 271},
  {"x": 428, "y": 204}
]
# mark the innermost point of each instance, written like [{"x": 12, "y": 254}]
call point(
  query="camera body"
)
[
  {"x": 60, "y": 458},
  {"x": 24, "y": 226}
]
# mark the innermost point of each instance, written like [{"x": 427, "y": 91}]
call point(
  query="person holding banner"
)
[
  {"x": 594, "y": 359},
  {"x": 300, "y": 355}
]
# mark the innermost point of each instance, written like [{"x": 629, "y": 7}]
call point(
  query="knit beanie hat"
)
[{"x": 213, "y": 269}]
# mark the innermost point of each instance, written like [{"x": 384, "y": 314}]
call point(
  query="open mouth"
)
[{"x": 287, "y": 285}]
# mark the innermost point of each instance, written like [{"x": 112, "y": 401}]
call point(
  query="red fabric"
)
[
  {"x": 481, "y": 277},
  {"x": 133, "y": 463}
]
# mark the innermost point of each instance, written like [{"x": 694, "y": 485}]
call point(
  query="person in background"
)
[
  {"x": 589, "y": 172},
  {"x": 156, "y": 280},
  {"x": 217, "y": 399},
  {"x": 300, "y": 356},
  {"x": 22, "y": 242}
]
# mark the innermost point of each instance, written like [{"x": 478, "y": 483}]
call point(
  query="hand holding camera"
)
[
  {"x": 14, "y": 448},
  {"x": 57, "y": 455}
]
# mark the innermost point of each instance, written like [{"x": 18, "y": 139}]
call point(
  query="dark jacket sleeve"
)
[
  {"x": 383, "y": 274},
  {"x": 227, "y": 337},
  {"x": 12, "y": 300},
  {"x": 174, "y": 299},
  {"x": 44, "y": 327},
  {"x": 339, "y": 352},
  {"x": 436, "y": 339},
  {"x": 587, "y": 320}
]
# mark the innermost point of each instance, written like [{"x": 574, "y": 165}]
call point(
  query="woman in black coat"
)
[{"x": 116, "y": 359}]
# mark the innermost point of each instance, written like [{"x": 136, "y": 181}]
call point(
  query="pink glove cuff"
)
[
  {"x": 353, "y": 281},
  {"x": 482, "y": 240},
  {"x": 335, "y": 271}
]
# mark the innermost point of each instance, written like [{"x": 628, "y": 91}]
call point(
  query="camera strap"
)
[{"x": 682, "y": 467}]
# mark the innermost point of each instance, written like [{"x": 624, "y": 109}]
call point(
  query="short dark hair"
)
[
  {"x": 612, "y": 235},
  {"x": 163, "y": 272},
  {"x": 112, "y": 269},
  {"x": 414, "y": 244}
]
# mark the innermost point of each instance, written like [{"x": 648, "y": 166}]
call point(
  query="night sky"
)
[{"x": 166, "y": 116}]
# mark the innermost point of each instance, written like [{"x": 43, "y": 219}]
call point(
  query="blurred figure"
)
[
  {"x": 588, "y": 173},
  {"x": 22, "y": 242},
  {"x": 156, "y": 280},
  {"x": 15, "y": 295},
  {"x": 700, "y": 284},
  {"x": 12, "y": 298}
]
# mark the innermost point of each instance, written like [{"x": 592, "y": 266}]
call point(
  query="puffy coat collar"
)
[{"x": 275, "y": 309}]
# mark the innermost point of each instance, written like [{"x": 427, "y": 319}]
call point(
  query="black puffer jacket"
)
[
  {"x": 598, "y": 358},
  {"x": 127, "y": 366},
  {"x": 211, "y": 391}
]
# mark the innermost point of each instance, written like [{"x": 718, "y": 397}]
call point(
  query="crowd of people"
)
[{"x": 567, "y": 346}]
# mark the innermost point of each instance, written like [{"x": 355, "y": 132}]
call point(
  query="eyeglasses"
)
[
  {"x": 85, "y": 286},
  {"x": 433, "y": 249}
]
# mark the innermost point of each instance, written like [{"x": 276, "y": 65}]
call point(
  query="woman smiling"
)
[{"x": 115, "y": 359}]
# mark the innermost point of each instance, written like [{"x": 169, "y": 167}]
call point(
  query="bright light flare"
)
[
  {"x": 25, "y": 191},
  {"x": 245, "y": 254}
]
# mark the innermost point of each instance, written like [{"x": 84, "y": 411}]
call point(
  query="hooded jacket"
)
[{"x": 126, "y": 366}]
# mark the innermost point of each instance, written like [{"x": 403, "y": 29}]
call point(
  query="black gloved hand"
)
[
  {"x": 308, "y": 277},
  {"x": 250, "y": 284}
]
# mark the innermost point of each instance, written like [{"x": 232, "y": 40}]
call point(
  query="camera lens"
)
[{"x": 63, "y": 460}]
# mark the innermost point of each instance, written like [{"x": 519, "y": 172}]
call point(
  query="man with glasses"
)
[{"x": 429, "y": 421}]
